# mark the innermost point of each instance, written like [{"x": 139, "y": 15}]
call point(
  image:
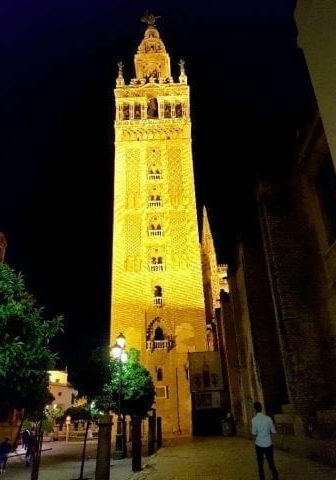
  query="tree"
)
[
  {"x": 83, "y": 412},
  {"x": 90, "y": 377},
  {"x": 137, "y": 388},
  {"x": 25, "y": 357},
  {"x": 99, "y": 380}
]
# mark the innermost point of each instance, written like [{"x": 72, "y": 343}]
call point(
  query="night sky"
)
[{"x": 58, "y": 68}]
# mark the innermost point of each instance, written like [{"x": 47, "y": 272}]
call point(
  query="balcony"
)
[
  {"x": 156, "y": 267},
  {"x": 154, "y": 203},
  {"x": 159, "y": 344},
  {"x": 154, "y": 176},
  {"x": 158, "y": 301},
  {"x": 155, "y": 233}
]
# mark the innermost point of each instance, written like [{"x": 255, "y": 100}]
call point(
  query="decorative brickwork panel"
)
[
  {"x": 154, "y": 160},
  {"x": 175, "y": 175},
  {"x": 179, "y": 239},
  {"x": 132, "y": 243},
  {"x": 132, "y": 178}
]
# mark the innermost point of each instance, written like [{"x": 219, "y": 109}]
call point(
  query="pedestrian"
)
[
  {"x": 5, "y": 448},
  {"x": 31, "y": 446},
  {"x": 25, "y": 438},
  {"x": 231, "y": 421},
  {"x": 262, "y": 428}
]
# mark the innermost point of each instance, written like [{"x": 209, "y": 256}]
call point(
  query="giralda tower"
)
[{"x": 157, "y": 291}]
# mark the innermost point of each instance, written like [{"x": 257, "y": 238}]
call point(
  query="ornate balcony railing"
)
[
  {"x": 154, "y": 176},
  {"x": 158, "y": 301},
  {"x": 155, "y": 233},
  {"x": 159, "y": 344},
  {"x": 156, "y": 267},
  {"x": 154, "y": 203}
]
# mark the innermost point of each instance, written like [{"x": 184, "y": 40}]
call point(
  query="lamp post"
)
[{"x": 119, "y": 354}]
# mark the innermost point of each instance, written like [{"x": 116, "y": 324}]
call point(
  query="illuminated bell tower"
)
[{"x": 157, "y": 292}]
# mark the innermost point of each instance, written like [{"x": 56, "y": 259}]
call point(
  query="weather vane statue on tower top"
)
[
  {"x": 120, "y": 69},
  {"x": 183, "y": 76},
  {"x": 149, "y": 18},
  {"x": 120, "y": 78},
  {"x": 181, "y": 65}
]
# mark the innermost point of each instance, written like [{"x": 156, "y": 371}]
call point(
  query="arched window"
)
[
  {"x": 126, "y": 111},
  {"x": 155, "y": 228},
  {"x": 158, "y": 334},
  {"x": 154, "y": 169},
  {"x": 154, "y": 196},
  {"x": 206, "y": 374},
  {"x": 152, "y": 108},
  {"x": 157, "y": 291},
  {"x": 159, "y": 374},
  {"x": 137, "y": 111},
  {"x": 167, "y": 110}
]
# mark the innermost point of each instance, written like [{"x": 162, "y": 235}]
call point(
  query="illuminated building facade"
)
[
  {"x": 62, "y": 391},
  {"x": 157, "y": 291}
]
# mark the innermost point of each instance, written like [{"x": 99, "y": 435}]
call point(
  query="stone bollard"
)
[
  {"x": 104, "y": 448},
  {"x": 136, "y": 443}
]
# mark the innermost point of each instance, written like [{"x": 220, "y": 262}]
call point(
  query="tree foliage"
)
[
  {"x": 25, "y": 357},
  {"x": 90, "y": 377},
  {"x": 134, "y": 383},
  {"x": 99, "y": 379},
  {"x": 82, "y": 412}
]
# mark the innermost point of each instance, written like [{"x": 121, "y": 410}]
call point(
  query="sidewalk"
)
[
  {"x": 62, "y": 461},
  {"x": 225, "y": 458},
  {"x": 211, "y": 458}
]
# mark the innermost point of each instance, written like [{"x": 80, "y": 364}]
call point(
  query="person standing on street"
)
[
  {"x": 5, "y": 449},
  {"x": 31, "y": 448},
  {"x": 25, "y": 438},
  {"x": 262, "y": 428}
]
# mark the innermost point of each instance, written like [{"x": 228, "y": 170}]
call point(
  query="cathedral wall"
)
[
  {"x": 315, "y": 200},
  {"x": 295, "y": 275},
  {"x": 250, "y": 385}
]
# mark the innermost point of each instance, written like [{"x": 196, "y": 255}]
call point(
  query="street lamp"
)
[{"x": 119, "y": 354}]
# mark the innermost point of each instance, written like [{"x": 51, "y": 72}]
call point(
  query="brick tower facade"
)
[{"x": 157, "y": 292}]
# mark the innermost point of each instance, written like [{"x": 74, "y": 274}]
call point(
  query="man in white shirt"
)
[{"x": 262, "y": 428}]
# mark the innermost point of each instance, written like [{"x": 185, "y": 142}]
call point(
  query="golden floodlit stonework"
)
[{"x": 157, "y": 292}]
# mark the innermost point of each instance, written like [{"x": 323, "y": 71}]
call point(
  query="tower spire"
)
[{"x": 152, "y": 62}]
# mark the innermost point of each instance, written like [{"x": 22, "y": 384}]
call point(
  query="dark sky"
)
[{"x": 249, "y": 91}]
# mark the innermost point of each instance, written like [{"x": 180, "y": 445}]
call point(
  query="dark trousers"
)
[
  {"x": 268, "y": 452},
  {"x": 3, "y": 461}
]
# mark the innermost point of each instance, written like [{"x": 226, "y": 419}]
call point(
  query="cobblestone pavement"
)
[
  {"x": 225, "y": 458},
  {"x": 212, "y": 458}
]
